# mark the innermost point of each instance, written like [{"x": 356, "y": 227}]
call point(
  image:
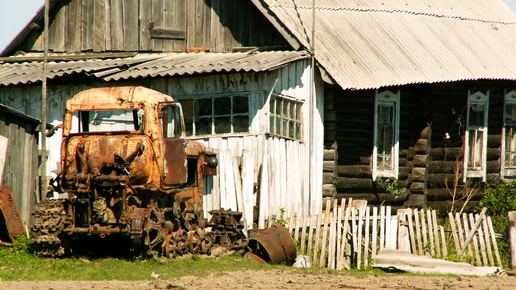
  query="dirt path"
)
[{"x": 282, "y": 279}]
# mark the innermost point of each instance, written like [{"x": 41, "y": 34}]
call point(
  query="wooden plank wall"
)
[
  {"x": 117, "y": 25},
  {"x": 21, "y": 166},
  {"x": 267, "y": 181}
]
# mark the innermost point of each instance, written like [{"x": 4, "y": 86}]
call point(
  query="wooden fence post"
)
[{"x": 512, "y": 237}]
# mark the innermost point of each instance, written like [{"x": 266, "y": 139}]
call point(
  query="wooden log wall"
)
[
  {"x": 420, "y": 160},
  {"x": 154, "y": 25},
  {"x": 430, "y": 165},
  {"x": 354, "y": 135},
  {"x": 330, "y": 144},
  {"x": 445, "y": 182}
]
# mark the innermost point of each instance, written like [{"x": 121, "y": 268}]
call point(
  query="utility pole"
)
[{"x": 43, "y": 127}]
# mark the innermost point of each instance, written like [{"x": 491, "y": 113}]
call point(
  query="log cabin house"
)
[{"x": 404, "y": 103}]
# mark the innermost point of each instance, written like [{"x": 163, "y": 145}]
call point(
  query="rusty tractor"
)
[{"x": 127, "y": 171}]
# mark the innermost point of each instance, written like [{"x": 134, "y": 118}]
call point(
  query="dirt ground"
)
[{"x": 282, "y": 279}]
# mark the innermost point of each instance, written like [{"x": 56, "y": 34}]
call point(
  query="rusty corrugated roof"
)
[
  {"x": 148, "y": 65},
  {"x": 365, "y": 44}
]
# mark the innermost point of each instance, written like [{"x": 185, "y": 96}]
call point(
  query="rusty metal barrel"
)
[{"x": 273, "y": 245}]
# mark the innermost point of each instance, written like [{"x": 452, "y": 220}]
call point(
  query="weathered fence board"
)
[{"x": 353, "y": 233}]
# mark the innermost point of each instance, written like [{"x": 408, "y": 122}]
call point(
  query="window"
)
[
  {"x": 171, "y": 117},
  {"x": 219, "y": 114},
  {"x": 509, "y": 136},
  {"x": 285, "y": 117},
  {"x": 476, "y": 136},
  {"x": 107, "y": 121},
  {"x": 386, "y": 134}
]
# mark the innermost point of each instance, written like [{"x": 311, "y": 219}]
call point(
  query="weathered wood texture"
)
[
  {"x": 21, "y": 165},
  {"x": 346, "y": 236},
  {"x": 434, "y": 163},
  {"x": 155, "y": 25},
  {"x": 354, "y": 136}
]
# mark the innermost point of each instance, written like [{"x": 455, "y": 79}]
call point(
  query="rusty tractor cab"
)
[{"x": 128, "y": 171}]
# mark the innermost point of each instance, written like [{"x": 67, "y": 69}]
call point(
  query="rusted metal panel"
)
[
  {"x": 274, "y": 245},
  {"x": 175, "y": 161},
  {"x": 135, "y": 150},
  {"x": 10, "y": 214}
]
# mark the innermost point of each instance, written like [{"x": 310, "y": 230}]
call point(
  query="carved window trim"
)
[{"x": 385, "y": 161}]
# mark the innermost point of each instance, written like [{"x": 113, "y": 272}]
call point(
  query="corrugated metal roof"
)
[
  {"x": 148, "y": 65},
  {"x": 194, "y": 63},
  {"x": 366, "y": 44}
]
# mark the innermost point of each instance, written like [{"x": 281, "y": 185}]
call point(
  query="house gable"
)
[{"x": 150, "y": 26}]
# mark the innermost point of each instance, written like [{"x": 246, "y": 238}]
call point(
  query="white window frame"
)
[
  {"x": 281, "y": 123},
  {"x": 213, "y": 116},
  {"x": 392, "y": 99},
  {"x": 507, "y": 171},
  {"x": 476, "y": 98}
]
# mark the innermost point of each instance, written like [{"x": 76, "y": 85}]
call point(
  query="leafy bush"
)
[{"x": 499, "y": 199}]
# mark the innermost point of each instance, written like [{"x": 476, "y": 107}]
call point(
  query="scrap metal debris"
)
[
  {"x": 12, "y": 225},
  {"x": 390, "y": 260},
  {"x": 273, "y": 246}
]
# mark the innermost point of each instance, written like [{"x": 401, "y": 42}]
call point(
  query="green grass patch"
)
[{"x": 19, "y": 265}]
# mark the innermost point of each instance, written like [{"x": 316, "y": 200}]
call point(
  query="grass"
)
[
  {"x": 16, "y": 263},
  {"x": 19, "y": 265}
]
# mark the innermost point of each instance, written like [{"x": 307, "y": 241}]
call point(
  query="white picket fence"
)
[{"x": 350, "y": 234}]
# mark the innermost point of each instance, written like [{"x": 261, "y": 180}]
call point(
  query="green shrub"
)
[{"x": 499, "y": 199}]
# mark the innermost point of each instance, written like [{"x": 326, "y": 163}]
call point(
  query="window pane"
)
[
  {"x": 385, "y": 114},
  {"x": 510, "y": 114},
  {"x": 172, "y": 125},
  {"x": 187, "y": 108},
  {"x": 385, "y": 136},
  {"x": 222, "y": 125},
  {"x": 240, "y": 124},
  {"x": 510, "y": 146},
  {"x": 240, "y": 105},
  {"x": 284, "y": 116},
  {"x": 222, "y": 106},
  {"x": 272, "y": 105},
  {"x": 475, "y": 148},
  {"x": 188, "y": 114},
  {"x": 189, "y": 127},
  {"x": 203, "y": 126},
  {"x": 292, "y": 129},
  {"x": 476, "y": 115},
  {"x": 203, "y": 107}
]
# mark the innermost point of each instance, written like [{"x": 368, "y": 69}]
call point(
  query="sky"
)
[{"x": 16, "y": 14}]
